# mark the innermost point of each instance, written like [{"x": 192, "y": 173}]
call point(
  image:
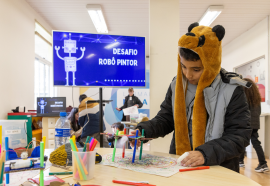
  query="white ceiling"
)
[
  {"x": 237, "y": 17},
  {"x": 131, "y": 17}
]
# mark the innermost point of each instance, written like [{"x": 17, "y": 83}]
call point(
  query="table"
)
[{"x": 215, "y": 176}]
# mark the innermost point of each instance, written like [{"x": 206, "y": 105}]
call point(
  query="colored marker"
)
[
  {"x": 60, "y": 173},
  {"x": 41, "y": 177},
  {"x": 94, "y": 145},
  {"x": 141, "y": 146},
  {"x": 7, "y": 157},
  {"x": 86, "y": 142},
  {"x": 114, "y": 149},
  {"x": 134, "y": 151},
  {"x": 196, "y": 168},
  {"x": 91, "y": 143},
  {"x": 124, "y": 148}
]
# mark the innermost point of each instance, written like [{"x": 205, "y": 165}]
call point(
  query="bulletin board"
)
[{"x": 255, "y": 70}]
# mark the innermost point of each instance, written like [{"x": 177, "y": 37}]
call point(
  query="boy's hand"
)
[
  {"x": 195, "y": 158},
  {"x": 133, "y": 141}
]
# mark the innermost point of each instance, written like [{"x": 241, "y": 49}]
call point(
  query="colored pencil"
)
[
  {"x": 94, "y": 145},
  {"x": 141, "y": 146},
  {"x": 196, "y": 168},
  {"x": 60, "y": 173},
  {"x": 131, "y": 183},
  {"x": 114, "y": 149},
  {"x": 135, "y": 145},
  {"x": 124, "y": 146},
  {"x": 86, "y": 142},
  {"x": 80, "y": 164}
]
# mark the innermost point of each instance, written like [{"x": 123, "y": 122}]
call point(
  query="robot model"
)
[
  {"x": 70, "y": 46},
  {"x": 42, "y": 104}
]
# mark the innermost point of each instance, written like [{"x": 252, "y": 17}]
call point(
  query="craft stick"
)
[
  {"x": 44, "y": 140},
  {"x": 80, "y": 165},
  {"x": 135, "y": 145},
  {"x": 94, "y": 145},
  {"x": 141, "y": 146},
  {"x": 114, "y": 149},
  {"x": 124, "y": 148},
  {"x": 86, "y": 142}
]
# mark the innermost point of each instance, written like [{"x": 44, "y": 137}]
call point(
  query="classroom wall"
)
[
  {"x": 164, "y": 35},
  {"x": 250, "y": 45},
  {"x": 17, "y": 20}
]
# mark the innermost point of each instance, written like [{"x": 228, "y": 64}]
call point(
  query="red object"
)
[
  {"x": 48, "y": 180},
  {"x": 87, "y": 147},
  {"x": 123, "y": 153},
  {"x": 132, "y": 183},
  {"x": 196, "y": 168},
  {"x": 22, "y": 113},
  {"x": 94, "y": 145}
]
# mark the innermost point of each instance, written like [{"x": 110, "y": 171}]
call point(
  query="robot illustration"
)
[
  {"x": 42, "y": 104},
  {"x": 70, "y": 46}
]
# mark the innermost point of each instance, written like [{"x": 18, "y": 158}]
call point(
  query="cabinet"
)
[{"x": 48, "y": 128}]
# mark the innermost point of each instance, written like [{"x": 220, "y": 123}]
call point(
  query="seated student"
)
[
  {"x": 76, "y": 129},
  {"x": 205, "y": 106},
  {"x": 116, "y": 126},
  {"x": 89, "y": 120}
]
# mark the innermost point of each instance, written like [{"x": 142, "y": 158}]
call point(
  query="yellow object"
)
[
  {"x": 78, "y": 168},
  {"x": 206, "y": 42},
  {"x": 74, "y": 141},
  {"x": 59, "y": 156},
  {"x": 44, "y": 141},
  {"x": 121, "y": 133}
]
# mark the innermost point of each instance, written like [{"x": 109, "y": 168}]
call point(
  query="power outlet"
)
[{"x": 51, "y": 123}]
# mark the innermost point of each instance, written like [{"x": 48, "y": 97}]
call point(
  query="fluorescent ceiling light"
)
[
  {"x": 97, "y": 17},
  {"x": 210, "y": 15}
]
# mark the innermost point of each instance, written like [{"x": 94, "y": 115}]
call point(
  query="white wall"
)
[
  {"x": 17, "y": 20},
  {"x": 248, "y": 46},
  {"x": 67, "y": 92},
  {"x": 163, "y": 58}
]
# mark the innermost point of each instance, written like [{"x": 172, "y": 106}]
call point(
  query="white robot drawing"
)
[
  {"x": 42, "y": 104},
  {"x": 70, "y": 46}
]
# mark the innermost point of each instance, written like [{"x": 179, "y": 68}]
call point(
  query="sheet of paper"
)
[
  {"x": 130, "y": 110},
  {"x": 157, "y": 165},
  {"x": 18, "y": 178}
]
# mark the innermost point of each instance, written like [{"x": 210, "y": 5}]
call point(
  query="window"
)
[{"x": 43, "y": 64}]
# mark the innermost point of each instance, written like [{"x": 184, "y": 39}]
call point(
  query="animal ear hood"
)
[{"x": 206, "y": 42}]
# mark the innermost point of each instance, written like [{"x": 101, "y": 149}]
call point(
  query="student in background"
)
[
  {"x": 254, "y": 101},
  {"x": 76, "y": 130},
  {"x": 130, "y": 101},
  {"x": 116, "y": 126},
  {"x": 89, "y": 117}
]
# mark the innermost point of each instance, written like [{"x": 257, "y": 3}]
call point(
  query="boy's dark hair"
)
[
  {"x": 82, "y": 97},
  {"x": 118, "y": 125},
  {"x": 189, "y": 55}
]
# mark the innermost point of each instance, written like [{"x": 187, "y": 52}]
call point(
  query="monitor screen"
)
[
  {"x": 50, "y": 106},
  {"x": 84, "y": 59}
]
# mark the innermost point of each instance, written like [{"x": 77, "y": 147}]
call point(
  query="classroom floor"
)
[{"x": 249, "y": 171}]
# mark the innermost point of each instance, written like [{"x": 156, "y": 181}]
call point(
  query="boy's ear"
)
[
  {"x": 220, "y": 31},
  {"x": 193, "y": 25}
]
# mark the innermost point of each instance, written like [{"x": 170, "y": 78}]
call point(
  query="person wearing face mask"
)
[{"x": 130, "y": 101}]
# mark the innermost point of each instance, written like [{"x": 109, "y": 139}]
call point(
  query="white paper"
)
[
  {"x": 150, "y": 164},
  {"x": 130, "y": 110}
]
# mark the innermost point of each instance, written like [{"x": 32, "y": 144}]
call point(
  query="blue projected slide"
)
[{"x": 81, "y": 59}]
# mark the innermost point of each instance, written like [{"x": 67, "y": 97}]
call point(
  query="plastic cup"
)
[{"x": 86, "y": 159}]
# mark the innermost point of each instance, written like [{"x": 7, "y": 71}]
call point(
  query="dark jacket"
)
[
  {"x": 222, "y": 151},
  {"x": 135, "y": 101},
  {"x": 255, "y": 113}
]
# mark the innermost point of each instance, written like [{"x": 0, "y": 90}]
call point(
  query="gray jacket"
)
[{"x": 228, "y": 128}]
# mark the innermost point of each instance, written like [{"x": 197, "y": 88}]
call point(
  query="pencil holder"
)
[{"x": 83, "y": 164}]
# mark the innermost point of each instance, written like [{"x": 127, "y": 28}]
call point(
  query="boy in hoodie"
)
[{"x": 205, "y": 106}]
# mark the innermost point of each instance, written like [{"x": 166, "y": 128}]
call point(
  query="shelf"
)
[{"x": 37, "y": 131}]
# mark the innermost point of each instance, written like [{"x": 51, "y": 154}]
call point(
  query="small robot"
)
[
  {"x": 42, "y": 104},
  {"x": 70, "y": 46}
]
